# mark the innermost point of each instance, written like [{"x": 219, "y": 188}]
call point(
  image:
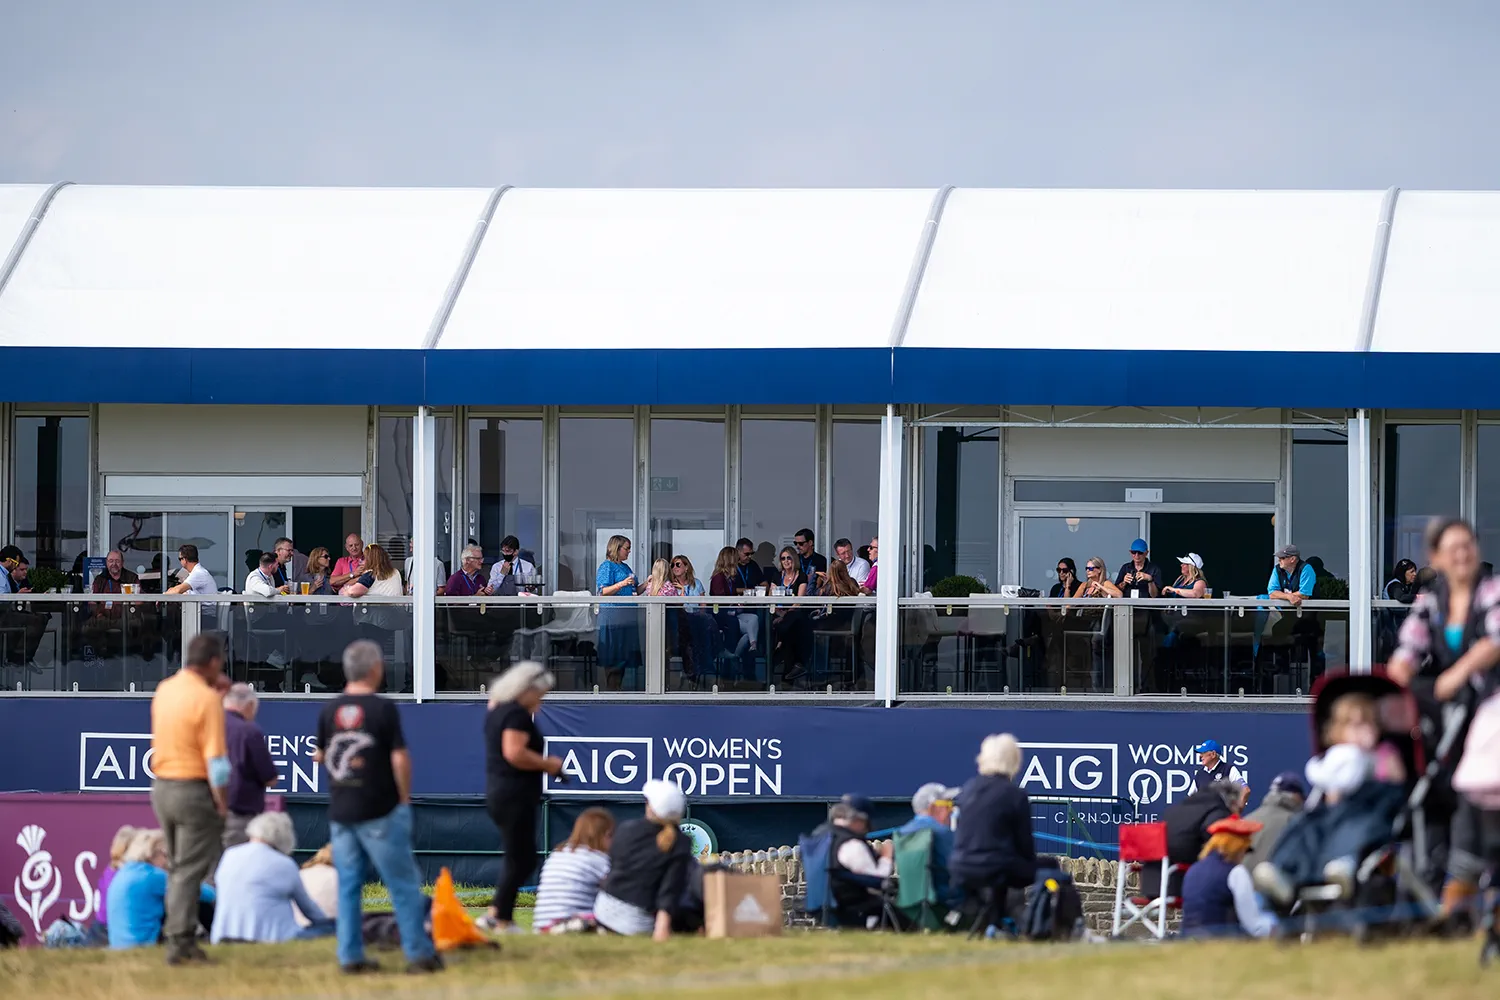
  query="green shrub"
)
[
  {"x": 958, "y": 586},
  {"x": 46, "y": 580},
  {"x": 1331, "y": 588}
]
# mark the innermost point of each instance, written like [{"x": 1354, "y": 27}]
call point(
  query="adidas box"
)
[{"x": 741, "y": 906}]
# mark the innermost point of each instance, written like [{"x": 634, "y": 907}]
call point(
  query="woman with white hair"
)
[
  {"x": 513, "y": 768},
  {"x": 992, "y": 845},
  {"x": 257, "y": 884},
  {"x": 649, "y": 860}
]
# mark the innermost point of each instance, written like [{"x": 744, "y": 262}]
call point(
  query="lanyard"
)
[{"x": 744, "y": 578}]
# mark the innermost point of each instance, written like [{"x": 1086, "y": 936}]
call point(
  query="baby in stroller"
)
[{"x": 1359, "y": 787}]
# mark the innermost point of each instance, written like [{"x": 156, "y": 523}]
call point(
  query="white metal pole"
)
[
  {"x": 888, "y": 590},
  {"x": 424, "y": 585},
  {"x": 1361, "y": 538}
]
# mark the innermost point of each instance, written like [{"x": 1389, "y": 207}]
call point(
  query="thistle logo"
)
[{"x": 32, "y": 893}]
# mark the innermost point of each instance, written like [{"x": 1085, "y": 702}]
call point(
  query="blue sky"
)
[{"x": 1050, "y": 93}]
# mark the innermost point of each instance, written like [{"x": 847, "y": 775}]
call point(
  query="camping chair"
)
[
  {"x": 1143, "y": 844},
  {"x": 916, "y": 898},
  {"x": 818, "y": 902}
]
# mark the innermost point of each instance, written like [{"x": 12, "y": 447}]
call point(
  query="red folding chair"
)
[{"x": 1143, "y": 844}]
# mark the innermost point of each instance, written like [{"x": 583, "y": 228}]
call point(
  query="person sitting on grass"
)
[
  {"x": 573, "y": 873},
  {"x": 1218, "y": 896},
  {"x": 137, "y": 901},
  {"x": 117, "y": 848},
  {"x": 257, "y": 884},
  {"x": 648, "y": 861},
  {"x": 321, "y": 880}
]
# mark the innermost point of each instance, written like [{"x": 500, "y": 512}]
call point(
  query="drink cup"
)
[
  {"x": 306, "y": 588},
  {"x": 128, "y": 588}
]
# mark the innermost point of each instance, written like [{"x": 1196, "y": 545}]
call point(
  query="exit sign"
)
[{"x": 663, "y": 484}]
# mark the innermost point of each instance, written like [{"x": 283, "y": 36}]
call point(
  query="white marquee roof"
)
[{"x": 1129, "y": 270}]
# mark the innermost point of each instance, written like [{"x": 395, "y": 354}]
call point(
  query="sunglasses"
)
[
  {"x": 1093, "y": 569},
  {"x": 1063, "y": 569},
  {"x": 678, "y": 565}
]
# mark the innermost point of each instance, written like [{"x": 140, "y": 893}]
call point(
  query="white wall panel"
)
[
  {"x": 1144, "y": 454},
  {"x": 234, "y": 440}
]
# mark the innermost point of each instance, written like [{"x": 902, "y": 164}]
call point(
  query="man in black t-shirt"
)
[
  {"x": 364, "y": 755},
  {"x": 1141, "y": 578}
]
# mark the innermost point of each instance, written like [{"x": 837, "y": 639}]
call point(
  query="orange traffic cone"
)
[{"x": 452, "y": 927}]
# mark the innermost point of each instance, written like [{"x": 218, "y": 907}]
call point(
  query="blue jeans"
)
[{"x": 384, "y": 843}]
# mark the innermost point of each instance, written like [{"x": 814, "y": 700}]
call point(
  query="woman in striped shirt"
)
[{"x": 574, "y": 871}]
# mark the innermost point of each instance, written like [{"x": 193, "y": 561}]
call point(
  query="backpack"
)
[{"x": 1054, "y": 909}]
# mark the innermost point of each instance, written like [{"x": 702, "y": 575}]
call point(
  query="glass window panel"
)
[
  {"x": 1421, "y": 482},
  {"x": 52, "y": 491},
  {"x": 687, "y": 492},
  {"x": 961, "y": 504},
  {"x": 1488, "y": 491},
  {"x": 255, "y": 531},
  {"x": 596, "y": 477},
  {"x": 1045, "y": 540},
  {"x": 1320, "y": 498},
  {"x": 504, "y": 493},
  {"x": 209, "y": 530},
  {"x": 138, "y": 537},
  {"x": 778, "y": 487},
  {"x": 854, "y": 506},
  {"x": 393, "y": 488}
]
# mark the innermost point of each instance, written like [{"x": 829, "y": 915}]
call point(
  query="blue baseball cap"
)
[
  {"x": 1289, "y": 781},
  {"x": 1209, "y": 746},
  {"x": 1139, "y": 545},
  {"x": 858, "y": 803}
]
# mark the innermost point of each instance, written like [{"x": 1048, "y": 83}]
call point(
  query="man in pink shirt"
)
[
  {"x": 350, "y": 565},
  {"x": 870, "y": 581}
]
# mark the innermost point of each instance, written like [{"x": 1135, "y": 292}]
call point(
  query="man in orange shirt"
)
[{"x": 189, "y": 794}]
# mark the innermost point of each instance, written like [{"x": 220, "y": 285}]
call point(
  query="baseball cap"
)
[
  {"x": 665, "y": 798},
  {"x": 1209, "y": 746},
  {"x": 1289, "y": 781},
  {"x": 859, "y": 804},
  {"x": 1289, "y": 552},
  {"x": 1139, "y": 545},
  {"x": 933, "y": 791},
  {"x": 1192, "y": 557}
]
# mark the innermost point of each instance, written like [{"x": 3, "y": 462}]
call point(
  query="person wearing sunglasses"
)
[
  {"x": 1068, "y": 584},
  {"x": 932, "y": 809},
  {"x": 1095, "y": 582}
]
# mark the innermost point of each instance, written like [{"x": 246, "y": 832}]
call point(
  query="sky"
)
[{"x": 717, "y": 93}]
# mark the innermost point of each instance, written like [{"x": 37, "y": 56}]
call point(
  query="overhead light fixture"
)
[{"x": 1072, "y": 523}]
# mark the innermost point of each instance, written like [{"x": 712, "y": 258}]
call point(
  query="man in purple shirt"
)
[
  {"x": 251, "y": 768},
  {"x": 469, "y": 581}
]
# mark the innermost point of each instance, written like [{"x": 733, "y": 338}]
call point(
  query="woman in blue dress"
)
[{"x": 619, "y": 627}]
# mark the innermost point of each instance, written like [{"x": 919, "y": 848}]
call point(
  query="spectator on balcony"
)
[
  {"x": 1190, "y": 582},
  {"x": 748, "y": 573},
  {"x": 1402, "y": 585},
  {"x": 1140, "y": 574},
  {"x": 1068, "y": 584},
  {"x": 811, "y": 564},
  {"x": 658, "y": 584},
  {"x": 377, "y": 578},
  {"x": 839, "y": 582},
  {"x": 10, "y": 558},
  {"x": 316, "y": 573},
  {"x": 409, "y": 568},
  {"x": 469, "y": 581},
  {"x": 195, "y": 579},
  {"x": 291, "y": 565},
  {"x": 262, "y": 580},
  {"x": 739, "y": 627},
  {"x": 511, "y": 566},
  {"x": 791, "y": 628},
  {"x": 351, "y": 564},
  {"x": 872, "y": 579},
  {"x": 859, "y": 568},
  {"x": 1292, "y": 580},
  {"x": 115, "y": 575},
  {"x": 1095, "y": 582},
  {"x": 695, "y": 626},
  {"x": 619, "y": 628}
]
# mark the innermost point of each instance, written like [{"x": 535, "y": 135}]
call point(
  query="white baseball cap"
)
[
  {"x": 1192, "y": 557},
  {"x": 665, "y": 799}
]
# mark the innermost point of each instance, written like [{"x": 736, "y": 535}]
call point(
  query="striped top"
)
[{"x": 570, "y": 880}]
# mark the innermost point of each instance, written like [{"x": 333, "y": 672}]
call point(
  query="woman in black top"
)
[
  {"x": 649, "y": 863},
  {"x": 791, "y": 627},
  {"x": 513, "y": 766}
]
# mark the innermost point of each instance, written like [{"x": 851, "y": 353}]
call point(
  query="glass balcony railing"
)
[
  {"x": 661, "y": 645},
  {"x": 697, "y": 646}
]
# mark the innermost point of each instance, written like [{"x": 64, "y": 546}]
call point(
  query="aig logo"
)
[
  {"x": 1090, "y": 769},
  {"x": 600, "y": 765}
]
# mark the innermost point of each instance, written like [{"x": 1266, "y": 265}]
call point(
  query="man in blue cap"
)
[
  {"x": 1215, "y": 767},
  {"x": 1140, "y": 574}
]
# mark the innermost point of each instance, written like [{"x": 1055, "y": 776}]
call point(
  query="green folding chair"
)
[{"x": 916, "y": 896}]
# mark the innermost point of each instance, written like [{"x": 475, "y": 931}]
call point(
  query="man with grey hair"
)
[
  {"x": 855, "y": 869},
  {"x": 251, "y": 769},
  {"x": 258, "y": 883},
  {"x": 363, "y": 751},
  {"x": 932, "y": 809}
]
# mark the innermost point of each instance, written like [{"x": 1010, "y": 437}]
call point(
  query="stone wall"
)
[{"x": 1095, "y": 879}]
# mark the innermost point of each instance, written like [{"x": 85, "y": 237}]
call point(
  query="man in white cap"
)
[{"x": 932, "y": 809}]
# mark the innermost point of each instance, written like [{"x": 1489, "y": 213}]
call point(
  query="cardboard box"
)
[{"x": 741, "y": 906}]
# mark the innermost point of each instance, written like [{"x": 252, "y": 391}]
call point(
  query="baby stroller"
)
[{"x": 1379, "y": 825}]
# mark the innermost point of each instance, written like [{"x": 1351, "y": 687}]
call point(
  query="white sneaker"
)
[
  {"x": 1341, "y": 872},
  {"x": 1271, "y": 881}
]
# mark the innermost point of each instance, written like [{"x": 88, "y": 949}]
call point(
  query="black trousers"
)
[{"x": 515, "y": 816}]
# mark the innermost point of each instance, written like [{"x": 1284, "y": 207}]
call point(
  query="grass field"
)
[{"x": 803, "y": 964}]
